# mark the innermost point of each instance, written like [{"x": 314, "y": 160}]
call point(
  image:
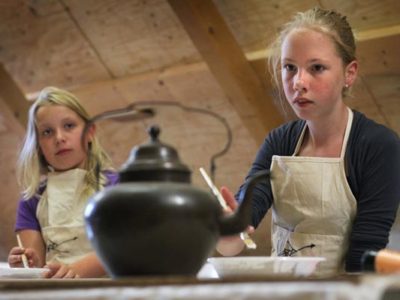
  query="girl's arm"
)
[
  {"x": 87, "y": 267},
  {"x": 34, "y": 249},
  {"x": 378, "y": 177},
  {"x": 231, "y": 245}
]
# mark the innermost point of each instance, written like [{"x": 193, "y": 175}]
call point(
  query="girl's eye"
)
[
  {"x": 289, "y": 67},
  {"x": 317, "y": 68},
  {"x": 46, "y": 132},
  {"x": 69, "y": 125}
]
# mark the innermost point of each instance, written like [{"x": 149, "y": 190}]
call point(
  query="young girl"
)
[
  {"x": 335, "y": 173},
  {"x": 58, "y": 175}
]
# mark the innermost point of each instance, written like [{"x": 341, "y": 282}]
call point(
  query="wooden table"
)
[{"x": 365, "y": 287}]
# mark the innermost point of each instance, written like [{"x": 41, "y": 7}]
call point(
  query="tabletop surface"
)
[{"x": 365, "y": 287}]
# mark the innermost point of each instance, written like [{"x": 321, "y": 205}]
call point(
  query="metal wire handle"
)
[{"x": 133, "y": 112}]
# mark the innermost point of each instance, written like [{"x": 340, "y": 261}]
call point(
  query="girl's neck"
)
[{"x": 324, "y": 137}]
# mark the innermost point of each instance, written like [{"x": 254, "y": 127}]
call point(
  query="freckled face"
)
[
  {"x": 313, "y": 75},
  {"x": 59, "y": 135}
]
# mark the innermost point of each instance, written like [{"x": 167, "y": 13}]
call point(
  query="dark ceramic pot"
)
[{"x": 155, "y": 222}]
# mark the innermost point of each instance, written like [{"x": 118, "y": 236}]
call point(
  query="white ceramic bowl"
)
[{"x": 265, "y": 265}]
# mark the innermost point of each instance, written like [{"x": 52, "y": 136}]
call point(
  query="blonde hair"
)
[
  {"x": 31, "y": 164},
  {"x": 329, "y": 22}
]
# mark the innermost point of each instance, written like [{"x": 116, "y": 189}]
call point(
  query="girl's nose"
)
[
  {"x": 60, "y": 138},
  {"x": 299, "y": 83}
]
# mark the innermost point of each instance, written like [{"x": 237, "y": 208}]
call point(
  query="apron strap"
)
[{"x": 347, "y": 132}]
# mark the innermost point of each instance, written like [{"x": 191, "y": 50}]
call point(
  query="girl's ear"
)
[
  {"x": 42, "y": 160},
  {"x": 91, "y": 132},
  {"x": 351, "y": 73}
]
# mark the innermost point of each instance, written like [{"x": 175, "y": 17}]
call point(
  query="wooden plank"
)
[
  {"x": 134, "y": 36},
  {"x": 229, "y": 65},
  {"x": 40, "y": 45},
  {"x": 380, "y": 56},
  {"x": 385, "y": 93},
  {"x": 254, "y": 23},
  {"x": 366, "y": 14},
  {"x": 13, "y": 97}
]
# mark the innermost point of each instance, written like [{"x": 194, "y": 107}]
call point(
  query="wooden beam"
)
[
  {"x": 13, "y": 97},
  {"x": 377, "y": 51},
  {"x": 227, "y": 62},
  {"x": 377, "y": 33}
]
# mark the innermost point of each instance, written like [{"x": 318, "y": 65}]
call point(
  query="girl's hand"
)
[
  {"x": 229, "y": 199},
  {"x": 58, "y": 270},
  {"x": 15, "y": 257},
  {"x": 231, "y": 245},
  {"x": 232, "y": 204}
]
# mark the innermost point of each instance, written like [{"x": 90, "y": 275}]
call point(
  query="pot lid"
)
[{"x": 154, "y": 161}]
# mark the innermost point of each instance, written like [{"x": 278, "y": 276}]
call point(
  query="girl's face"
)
[
  {"x": 313, "y": 75},
  {"x": 59, "y": 132}
]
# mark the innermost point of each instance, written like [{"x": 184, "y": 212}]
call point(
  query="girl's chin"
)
[
  {"x": 303, "y": 115},
  {"x": 66, "y": 168}
]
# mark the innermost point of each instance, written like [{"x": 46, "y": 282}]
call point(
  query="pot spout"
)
[{"x": 239, "y": 220}]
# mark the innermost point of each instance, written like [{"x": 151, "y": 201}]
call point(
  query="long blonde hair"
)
[
  {"x": 31, "y": 164},
  {"x": 329, "y": 22}
]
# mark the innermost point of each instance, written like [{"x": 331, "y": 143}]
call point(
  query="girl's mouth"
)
[
  {"x": 62, "y": 151},
  {"x": 302, "y": 101}
]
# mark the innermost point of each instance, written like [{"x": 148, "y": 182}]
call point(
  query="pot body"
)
[{"x": 153, "y": 228}]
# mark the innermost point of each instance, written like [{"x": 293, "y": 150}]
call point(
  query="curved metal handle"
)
[
  {"x": 133, "y": 112},
  {"x": 126, "y": 114}
]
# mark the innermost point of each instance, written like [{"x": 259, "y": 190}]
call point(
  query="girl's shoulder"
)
[
  {"x": 35, "y": 198},
  {"x": 370, "y": 141},
  {"x": 366, "y": 131},
  {"x": 289, "y": 130},
  {"x": 283, "y": 139},
  {"x": 112, "y": 177}
]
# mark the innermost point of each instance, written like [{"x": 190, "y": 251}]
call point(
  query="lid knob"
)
[
  {"x": 154, "y": 161},
  {"x": 154, "y": 132}
]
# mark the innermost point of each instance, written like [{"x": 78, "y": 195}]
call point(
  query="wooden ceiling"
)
[{"x": 74, "y": 43}]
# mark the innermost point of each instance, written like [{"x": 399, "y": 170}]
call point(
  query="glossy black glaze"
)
[{"x": 153, "y": 228}]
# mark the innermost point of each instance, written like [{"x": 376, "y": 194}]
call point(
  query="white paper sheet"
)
[{"x": 22, "y": 273}]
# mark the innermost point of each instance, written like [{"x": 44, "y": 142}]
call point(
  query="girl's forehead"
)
[
  {"x": 305, "y": 34},
  {"x": 306, "y": 41},
  {"x": 51, "y": 113}
]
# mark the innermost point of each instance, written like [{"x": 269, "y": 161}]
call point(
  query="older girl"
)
[{"x": 336, "y": 174}]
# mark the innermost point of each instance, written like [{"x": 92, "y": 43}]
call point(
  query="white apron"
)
[
  {"x": 60, "y": 214},
  {"x": 313, "y": 207}
]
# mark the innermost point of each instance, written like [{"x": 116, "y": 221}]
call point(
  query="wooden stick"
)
[
  {"x": 23, "y": 256},
  {"x": 213, "y": 188},
  {"x": 250, "y": 244}
]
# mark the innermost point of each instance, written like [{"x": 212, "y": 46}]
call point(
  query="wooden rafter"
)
[
  {"x": 227, "y": 62},
  {"x": 13, "y": 96}
]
